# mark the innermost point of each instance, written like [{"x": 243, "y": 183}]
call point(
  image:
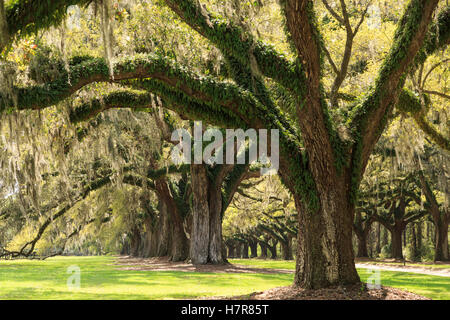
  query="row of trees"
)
[{"x": 205, "y": 63}]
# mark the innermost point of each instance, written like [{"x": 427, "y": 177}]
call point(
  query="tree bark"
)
[
  {"x": 441, "y": 251},
  {"x": 253, "y": 249},
  {"x": 273, "y": 250},
  {"x": 238, "y": 250},
  {"x": 164, "y": 232},
  {"x": 215, "y": 226},
  {"x": 179, "y": 250},
  {"x": 263, "y": 250},
  {"x": 231, "y": 251},
  {"x": 378, "y": 246},
  {"x": 286, "y": 249},
  {"x": 419, "y": 235},
  {"x": 206, "y": 236},
  {"x": 325, "y": 254},
  {"x": 245, "y": 250},
  {"x": 397, "y": 248},
  {"x": 135, "y": 241},
  {"x": 362, "y": 246},
  {"x": 200, "y": 224}
]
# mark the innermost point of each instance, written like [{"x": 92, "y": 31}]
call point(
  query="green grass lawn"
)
[
  {"x": 100, "y": 279},
  {"x": 433, "y": 287},
  {"x": 33, "y": 279}
]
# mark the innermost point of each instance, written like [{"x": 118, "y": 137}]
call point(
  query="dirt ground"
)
[
  {"x": 163, "y": 264},
  {"x": 355, "y": 292}
]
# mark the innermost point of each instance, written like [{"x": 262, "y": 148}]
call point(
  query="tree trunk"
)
[
  {"x": 415, "y": 250},
  {"x": 245, "y": 251},
  {"x": 135, "y": 239},
  {"x": 253, "y": 249},
  {"x": 378, "y": 246},
  {"x": 179, "y": 250},
  {"x": 273, "y": 250},
  {"x": 180, "y": 244},
  {"x": 231, "y": 251},
  {"x": 238, "y": 248},
  {"x": 164, "y": 232},
  {"x": 200, "y": 224},
  {"x": 224, "y": 252},
  {"x": 263, "y": 250},
  {"x": 215, "y": 226},
  {"x": 385, "y": 239},
  {"x": 206, "y": 235},
  {"x": 286, "y": 249},
  {"x": 397, "y": 248},
  {"x": 419, "y": 236},
  {"x": 362, "y": 245},
  {"x": 441, "y": 249},
  {"x": 125, "y": 249},
  {"x": 325, "y": 254},
  {"x": 148, "y": 238}
]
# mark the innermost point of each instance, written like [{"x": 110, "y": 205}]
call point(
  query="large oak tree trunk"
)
[
  {"x": 325, "y": 253},
  {"x": 200, "y": 223},
  {"x": 180, "y": 244},
  {"x": 397, "y": 248},
  {"x": 164, "y": 232},
  {"x": 135, "y": 242},
  {"x": 206, "y": 235},
  {"x": 263, "y": 250},
  {"x": 245, "y": 251},
  {"x": 231, "y": 251},
  {"x": 215, "y": 226},
  {"x": 378, "y": 246},
  {"x": 362, "y": 246},
  {"x": 238, "y": 250},
  {"x": 286, "y": 249},
  {"x": 273, "y": 250},
  {"x": 179, "y": 250},
  {"x": 441, "y": 252},
  {"x": 253, "y": 249}
]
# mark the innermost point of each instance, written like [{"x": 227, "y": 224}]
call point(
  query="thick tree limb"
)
[
  {"x": 223, "y": 96},
  {"x": 370, "y": 117},
  {"x": 232, "y": 40},
  {"x": 24, "y": 17}
]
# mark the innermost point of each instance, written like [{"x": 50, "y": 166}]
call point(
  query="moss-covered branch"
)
[
  {"x": 117, "y": 99},
  {"x": 225, "y": 97},
  {"x": 24, "y": 17},
  {"x": 233, "y": 41}
]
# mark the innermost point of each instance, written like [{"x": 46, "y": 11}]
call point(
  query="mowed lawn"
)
[
  {"x": 101, "y": 279},
  {"x": 433, "y": 287}
]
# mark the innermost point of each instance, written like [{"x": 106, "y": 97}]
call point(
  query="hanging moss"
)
[{"x": 25, "y": 17}]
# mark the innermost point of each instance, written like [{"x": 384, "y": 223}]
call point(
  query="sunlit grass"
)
[
  {"x": 433, "y": 287},
  {"x": 100, "y": 279},
  {"x": 269, "y": 264}
]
